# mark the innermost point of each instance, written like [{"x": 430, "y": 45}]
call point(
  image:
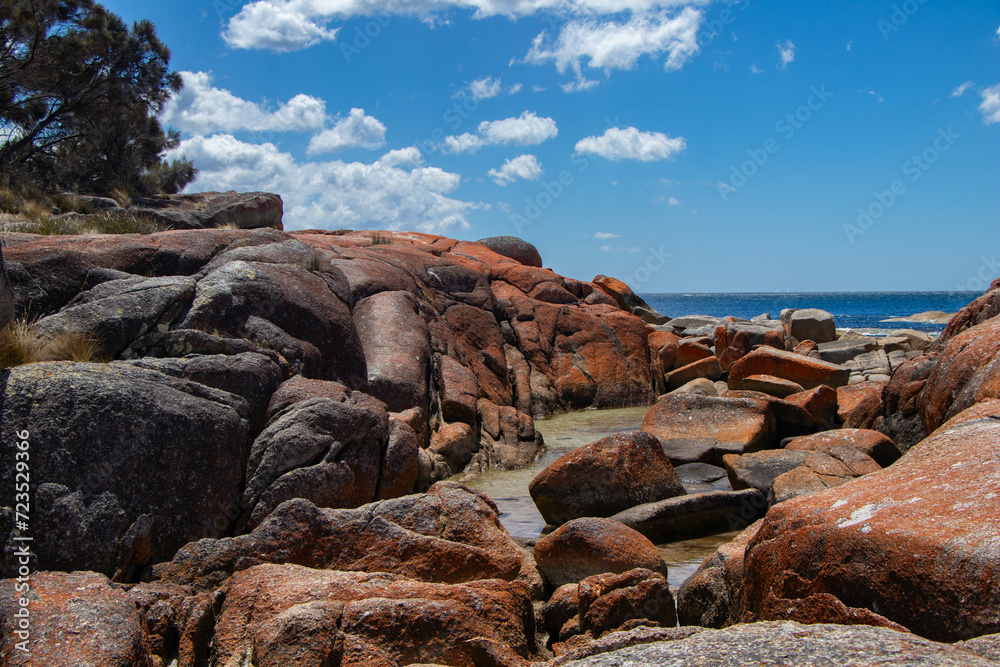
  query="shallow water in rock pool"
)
[{"x": 563, "y": 434}]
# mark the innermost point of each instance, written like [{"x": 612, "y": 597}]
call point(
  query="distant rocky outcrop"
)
[{"x": 201, "y": 210}]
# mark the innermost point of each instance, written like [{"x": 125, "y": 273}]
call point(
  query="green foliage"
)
[{"x": 79, "y": 95}]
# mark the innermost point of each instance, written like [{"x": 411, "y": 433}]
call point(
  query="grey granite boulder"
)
[
  {"x": 514, "y": 248},
  {"x": 117, "y": 312},
  {"x": 245, "y": 210},
  {"x": 813, "y": 324},
  {"x": 696, "y": 514},
  {"x": 130, "y": 464}
]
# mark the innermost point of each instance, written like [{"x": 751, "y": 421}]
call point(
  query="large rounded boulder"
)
[
  {"x": 605, "y": 477},
  {"x": 514, "y": 248}
]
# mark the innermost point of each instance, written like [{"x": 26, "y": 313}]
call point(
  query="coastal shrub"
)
[
  {"x": 381, "y": 238},
  {"x": 80, "y": 96}
]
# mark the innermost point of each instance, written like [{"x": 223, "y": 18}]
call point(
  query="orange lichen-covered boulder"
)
[
  {"x": 806, "y": 371},
  {"x": 589, "y": 546},
  {"x": 605, "y": 477},
  {"x": 916, "y": 542},
  {"x": 289, "y": 614},
  {"x": 695, "y": 428}
]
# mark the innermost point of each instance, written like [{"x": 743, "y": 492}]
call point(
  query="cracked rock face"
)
[{"x": 914, "y": 545}]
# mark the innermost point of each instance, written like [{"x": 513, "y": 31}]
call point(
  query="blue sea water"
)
[{"x": 852, "y": 310}]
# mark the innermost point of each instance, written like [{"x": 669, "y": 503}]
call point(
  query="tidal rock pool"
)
[{"x": 564, "y": 433}]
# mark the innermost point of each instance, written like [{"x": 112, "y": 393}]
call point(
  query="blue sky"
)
[{"x": 754, "y": 146}]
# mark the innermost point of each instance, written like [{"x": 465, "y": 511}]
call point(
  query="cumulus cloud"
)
[
  {"x": 281, "y": 25},
  {"x": 524, "y": 167},
  {"x": 287, "y": 25},
  {"x": 201, "y": 108},
  {"x": 524, "y": 130},
  {"x": 607, "y": 235},
  {"x": 990, "y": 108},
  {"x": 356, "y": 131},
  {"x": 958, "y": 92},
  {"x": 631, "y": 144},
  {"x": 786, "y": 53},
  {"x": 612, "y": 45},
  {"x": 333, "y": 194}
]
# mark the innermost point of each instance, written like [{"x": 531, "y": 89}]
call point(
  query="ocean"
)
[{"x": 861, "y": 311}]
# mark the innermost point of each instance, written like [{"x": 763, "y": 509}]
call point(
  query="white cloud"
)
[
  {"x": 786, "y": 53},
  {"x": 277, "y": 25},
  {"x": 673, "y": 201},
  {"x": 631, "y": 144},
  {"x": 333, "y": 194},
  {"x": 288, "y": 25},
  {"x": 410, "y": 156},
  {"x": 524, "y": 130},
  {"x": 958, "y": 92},
  {"x": 524, "y": 167},
  {"x": 990, "y": 108},
  {"x": 487, "y": 88},
  {"x": 606, "y": 248},
  {"x": 755, "y": 70},
  {"x": 484, "y": 89},
  {"x": 850, "y": 44},
  {"x": 607, "y": 235},
  {"x": 611, "y": 45},
  {"x": 355, "y": 131},
  {"x": 201, "y": 108},
  {"x": 463, "y": 143}
]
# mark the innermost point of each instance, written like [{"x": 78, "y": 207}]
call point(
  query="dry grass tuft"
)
[
  {"x": 122, "y": 195},
  {"x": 381, "y": 238},
  {"x": 21, "y": 343},
  {"x": 18, "y": 344}
]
